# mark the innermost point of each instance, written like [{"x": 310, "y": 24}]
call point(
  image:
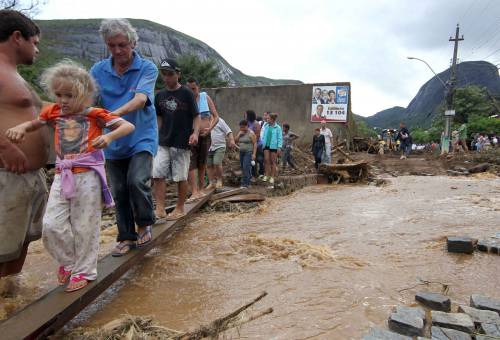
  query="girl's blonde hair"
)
[{"x": 83, "y": 86}]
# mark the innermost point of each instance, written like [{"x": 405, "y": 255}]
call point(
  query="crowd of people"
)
[
  {"x": 136, "y": 139},
  {"x": 401, "y": 141}
]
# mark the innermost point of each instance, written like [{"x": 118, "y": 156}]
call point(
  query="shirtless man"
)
[
  {"x": 22, "y": 184},
  {"x": 199, "y": 153}
]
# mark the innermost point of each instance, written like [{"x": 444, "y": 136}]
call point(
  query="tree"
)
[
  {"x": 363, "y": 130},
  {"x": 473, "y": 106},
  {"x": 483, "y": 125},
  {"x": 471, "y": 101},
  {"x": 206, "y": 72},
  {"x": 29, "y": 8}
]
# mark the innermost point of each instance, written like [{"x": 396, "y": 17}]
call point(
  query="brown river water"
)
[{"x": 334, "y": 259}]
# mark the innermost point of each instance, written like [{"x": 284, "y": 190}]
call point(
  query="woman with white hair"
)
[{"x": 126, "y": 88}]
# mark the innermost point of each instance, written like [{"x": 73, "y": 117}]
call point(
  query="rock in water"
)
[
  {"x": 480, "y": 316},
  {"x": 434, "y": 301},
  {"x": 439, "y": 333},
  {"x": 483, "y": 245},
  {"x": 407, "y": 321},
  {"x": 461, "y": 244},
  {"x": 459, "y": 321},
  {"x": 491, "y": 329},
  {"x": 484, "y": 302}
]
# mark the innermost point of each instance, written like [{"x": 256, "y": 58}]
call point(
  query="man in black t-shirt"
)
[{"x": 179, "y": 127}]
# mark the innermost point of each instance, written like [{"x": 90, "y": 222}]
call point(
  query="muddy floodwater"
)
[{"x": 334, "y": 259}]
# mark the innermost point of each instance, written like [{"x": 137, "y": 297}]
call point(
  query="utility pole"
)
[{"x": 449, "y": 113}]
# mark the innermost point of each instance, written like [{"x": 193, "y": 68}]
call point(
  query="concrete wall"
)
[{"x": 292, "y": 102}]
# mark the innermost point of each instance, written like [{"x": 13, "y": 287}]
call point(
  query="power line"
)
[
  {"x": 466, "y": 11},
  {"x": 492, "y": 53}
]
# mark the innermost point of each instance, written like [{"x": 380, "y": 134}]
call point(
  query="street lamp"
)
[
  {"x": 430, "y": 68},
  {"x": 445, "y": 139}
]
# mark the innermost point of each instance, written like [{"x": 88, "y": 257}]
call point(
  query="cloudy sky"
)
[{"x": 365, "y": 42}]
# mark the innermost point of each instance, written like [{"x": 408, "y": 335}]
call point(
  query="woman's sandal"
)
[
  {"x": 77, "y": 282},
  {"x": 63, "y": 276},
  {"x": 122, "y": 249},
  {"x": 147, "y": 232}
]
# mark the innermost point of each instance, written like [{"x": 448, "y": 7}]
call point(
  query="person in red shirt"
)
[{"x": 72, "y": 221}]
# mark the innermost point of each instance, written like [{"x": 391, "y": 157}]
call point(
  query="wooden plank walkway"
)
[{"x": 52, "y": 311}]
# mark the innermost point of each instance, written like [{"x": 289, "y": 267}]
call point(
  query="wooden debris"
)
[
  {"x": 244, "y": 198},
  {"x": 350, "y": 172},
  {"x": 228, "y": 193},
  {"x": 134, "y": 327},
  {"x": 339, "y": 149}
]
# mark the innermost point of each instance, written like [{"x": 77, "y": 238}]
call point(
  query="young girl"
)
[
  {"x": 247, "y": 142},
  {"x": 73, "y": 217},
  {"x": 272, "y": 143}
]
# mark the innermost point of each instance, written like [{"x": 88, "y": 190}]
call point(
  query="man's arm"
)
[
  {"x": 144, "y": 92},
  {"x": 13, "y": 159},
  {"x": 137, "y": 103},
  {"x": 253, "y": 138},
  {"x": 230, "y": 138},
  {"x": 193, "y": 139},
  {"x": 215, "y": 114}
]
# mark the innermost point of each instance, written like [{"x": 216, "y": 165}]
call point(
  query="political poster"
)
[{"x": 329, "y": 103}]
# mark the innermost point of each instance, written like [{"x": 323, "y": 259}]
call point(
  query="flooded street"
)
[{"x": 334, "y": 259}]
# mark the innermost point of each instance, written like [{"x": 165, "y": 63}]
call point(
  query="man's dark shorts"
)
[{"x": 199, "y": 152}]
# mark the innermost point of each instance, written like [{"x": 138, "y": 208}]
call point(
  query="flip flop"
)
[
  {"x": 77, "y": 282},
  {"x": 63, "y": 276},
  {"x": 141, "y": 236},
  {"x": 120, "y": 247},
  {"x": 174, "y": 217},
  {"x": 193, "y": 199}
]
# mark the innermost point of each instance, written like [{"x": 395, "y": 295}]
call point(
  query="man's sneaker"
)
[
  {"x": 402, "y": 157},
  {"x": 271, "y": 180},
  {"x": 264, "y": 179},
  {"x": 261, "y": 177}
]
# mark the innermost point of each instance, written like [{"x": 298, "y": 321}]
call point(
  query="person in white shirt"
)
[
  {"x": 219, "y": 134},
  {"x": 327, "y": 154}
]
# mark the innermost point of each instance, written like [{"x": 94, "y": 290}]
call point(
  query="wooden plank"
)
[
  {"x": 52, "y": 311},
  {"x": 244, "y": 198},
  {"x": 228, "y": 193},
  {"x": 339, "y": 149}
]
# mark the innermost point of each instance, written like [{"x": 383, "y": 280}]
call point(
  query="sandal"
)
[
  {"x": 63, "y": 276},
  {"x": 122, "y": 248},
  {"x": 77, "y": 282},
  {"x": 141, "y": 236},
  {"x": 173, "y": 216}
]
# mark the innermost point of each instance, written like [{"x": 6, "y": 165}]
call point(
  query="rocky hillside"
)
[
  {"x": 80, "y": 40},
  {"x": 424, "y": 105},
  {"x": 386, "y": 118}
]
